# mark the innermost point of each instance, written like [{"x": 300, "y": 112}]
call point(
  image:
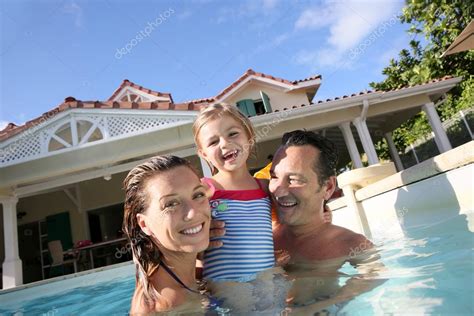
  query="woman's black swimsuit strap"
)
[
  {"x": 174, "y": 276},
  {"x": 213, "y": 303}
]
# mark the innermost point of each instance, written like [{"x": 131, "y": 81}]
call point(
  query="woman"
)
[{"x": 166, "y": 220}]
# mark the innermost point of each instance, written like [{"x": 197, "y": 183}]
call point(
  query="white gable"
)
[
  {"x": 130, "y": 94},
  {"x": 85, "y": 127}
]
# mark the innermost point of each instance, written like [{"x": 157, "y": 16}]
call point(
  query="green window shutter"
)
[
  {"x": 266, "y": 102},
  {"x": 59, "y": 228},
  {"x": 247, "y": 107},
  {"x": 242, "y": 106}
]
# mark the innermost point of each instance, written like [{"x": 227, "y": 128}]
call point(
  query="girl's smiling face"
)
[
  {"x": 178, "y": 213},
  {"x": 224, "y": 143}
]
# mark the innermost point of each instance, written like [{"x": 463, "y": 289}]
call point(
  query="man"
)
[{"x": 303, "y": 178}]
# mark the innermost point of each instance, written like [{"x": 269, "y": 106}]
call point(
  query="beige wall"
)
[
  {"x": 2, "y": 242},
  {"x": 278, "y": 99},
  {"x": 94, "y": 194}
]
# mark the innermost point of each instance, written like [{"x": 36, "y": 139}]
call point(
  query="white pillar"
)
[
  {"x": 357, "y": 210},
  {"x": 351, "y": 144},
  {"x": 466, "y": 124},
  {"x": 206, "y": 171},
  {"x": 393, "y": 151},
  {"x": 414, "y": 153},
  {"x": 366, "y": 140},
  {"x": 441, "y": 138},
  {"x": 12, "y": 268}
]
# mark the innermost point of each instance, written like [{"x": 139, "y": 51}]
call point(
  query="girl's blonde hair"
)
[{"x": 216, "y": 111}]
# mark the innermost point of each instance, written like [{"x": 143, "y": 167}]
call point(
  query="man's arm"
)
[{"x": 365, "y": 258}]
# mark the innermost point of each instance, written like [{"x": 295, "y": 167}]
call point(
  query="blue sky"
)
[{"x": 53, "y": 49}]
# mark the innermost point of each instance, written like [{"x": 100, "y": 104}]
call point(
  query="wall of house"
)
[
  {"x": 2, "y": 240},
  {"x": 94, "y": 194},
  {"x": 278, "y": 99}
]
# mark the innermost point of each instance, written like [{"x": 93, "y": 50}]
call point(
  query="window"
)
[{"x": 251, "y": 107}]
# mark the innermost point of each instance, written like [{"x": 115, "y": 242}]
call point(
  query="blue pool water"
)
[{"x": 429, "y": 271}]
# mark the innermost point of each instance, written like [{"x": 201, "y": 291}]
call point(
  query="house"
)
[{"x": 61, "y": 173}]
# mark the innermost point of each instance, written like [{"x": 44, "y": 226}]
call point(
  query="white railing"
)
[{"x": 63, "y": 133}]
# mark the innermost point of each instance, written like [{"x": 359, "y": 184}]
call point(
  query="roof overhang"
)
[
  {"x": 345, "y": 110},
  {"x": 310, "y": 85},
  {"x": 465, "y": 41}
]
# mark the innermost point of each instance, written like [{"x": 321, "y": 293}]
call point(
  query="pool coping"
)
[{"x": 64, "y": 277}]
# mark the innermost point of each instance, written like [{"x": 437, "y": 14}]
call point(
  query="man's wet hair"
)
[{"x": 325, "y": 165}]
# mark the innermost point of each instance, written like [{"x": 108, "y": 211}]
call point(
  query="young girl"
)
[{"x": 225, "y": 138}]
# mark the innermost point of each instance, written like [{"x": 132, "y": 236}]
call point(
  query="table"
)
[{"x": 98, "y": 245}]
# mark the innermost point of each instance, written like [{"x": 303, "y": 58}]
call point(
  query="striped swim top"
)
[{"x": 248, "y": 242}]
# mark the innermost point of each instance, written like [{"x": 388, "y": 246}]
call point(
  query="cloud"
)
[
  {"x": 347, "y": 24},
  {"x": 75, "y": 10},
  {"x": 397, "y": 45},
  {"x": 315, "y": 18},
  {"x": 273, "y": 43},
  {"x": 184, "y": 15},
  {"x": 269, "y": 4},
  {"x": 245, "y": 9},
  {"x": 3, "y": 124}
]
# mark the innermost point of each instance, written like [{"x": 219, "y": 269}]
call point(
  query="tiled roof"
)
[
  {"x": 128, "y": 83},
  {"x": 194, "y": 105},
  {"x": 197, "y": 102},
  {"x": 251, "y": 72},
  {"x": 365, "y": 92},
  {"x": 383, "y": 91},
  {"x": 72, "y": 103},
  {"x": 307, "y": 79}
]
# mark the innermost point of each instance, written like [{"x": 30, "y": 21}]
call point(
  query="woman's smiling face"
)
[{"x": 178, "y": 213}]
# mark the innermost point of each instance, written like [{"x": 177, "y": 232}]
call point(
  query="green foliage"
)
[{"x": 440, "y": 21}]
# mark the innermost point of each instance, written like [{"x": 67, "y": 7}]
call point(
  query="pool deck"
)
[
  {"x": 70, "y": 277},
  {"x": 440, "y": 185}
]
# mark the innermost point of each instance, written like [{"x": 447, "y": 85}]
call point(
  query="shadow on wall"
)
[{"x": 434, "y": 201}]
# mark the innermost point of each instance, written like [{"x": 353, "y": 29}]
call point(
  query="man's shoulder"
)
[{"x": 346, "y": 236}]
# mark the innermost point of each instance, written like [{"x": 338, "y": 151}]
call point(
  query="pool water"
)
[{"x": 429, "y": 270}]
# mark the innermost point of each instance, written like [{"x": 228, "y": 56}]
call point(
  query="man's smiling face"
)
[{"x": 295, "y": 187}]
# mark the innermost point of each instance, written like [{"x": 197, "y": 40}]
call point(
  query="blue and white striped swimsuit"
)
[{"x": 248, "y": 241}]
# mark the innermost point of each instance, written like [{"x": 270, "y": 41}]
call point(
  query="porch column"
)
[
  {"x": 12, "y": 268},
  {"x": 441, "y": 138},
  {"x": 393, "y": 151},
  {"x": 351, "y": 144},
  {"x": 363, "y": 131},
  {"x": 206, "y": 171}
]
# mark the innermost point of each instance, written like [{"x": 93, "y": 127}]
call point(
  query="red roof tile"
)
[
  {"x": 12, "y": 129},
  {"x": 194, "y": 105},
  {"x": 251, "y": 72},
  {"x": 382, "y": 91},
  {"x": 128, "y": 83},
  {"x": 307, "y": 79}
]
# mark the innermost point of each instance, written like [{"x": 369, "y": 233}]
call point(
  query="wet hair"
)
[
  {"x": 216, "y": 111},
  {"x": 325, "y": 165},
  {"x": 146, "y": 254}
]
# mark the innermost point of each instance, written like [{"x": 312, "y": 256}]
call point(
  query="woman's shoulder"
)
[{"x": 166, "y": 299}]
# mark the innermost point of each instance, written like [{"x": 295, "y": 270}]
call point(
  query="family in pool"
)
[{"x": 171, "y": 215}]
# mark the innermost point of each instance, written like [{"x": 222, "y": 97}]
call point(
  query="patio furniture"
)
[{"x": 57, "y": 256}]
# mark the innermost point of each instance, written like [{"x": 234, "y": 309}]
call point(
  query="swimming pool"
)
[{"x": 429, "y": 271}]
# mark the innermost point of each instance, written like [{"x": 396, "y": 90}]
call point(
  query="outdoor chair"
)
[{"x": 57, "y": 256}]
